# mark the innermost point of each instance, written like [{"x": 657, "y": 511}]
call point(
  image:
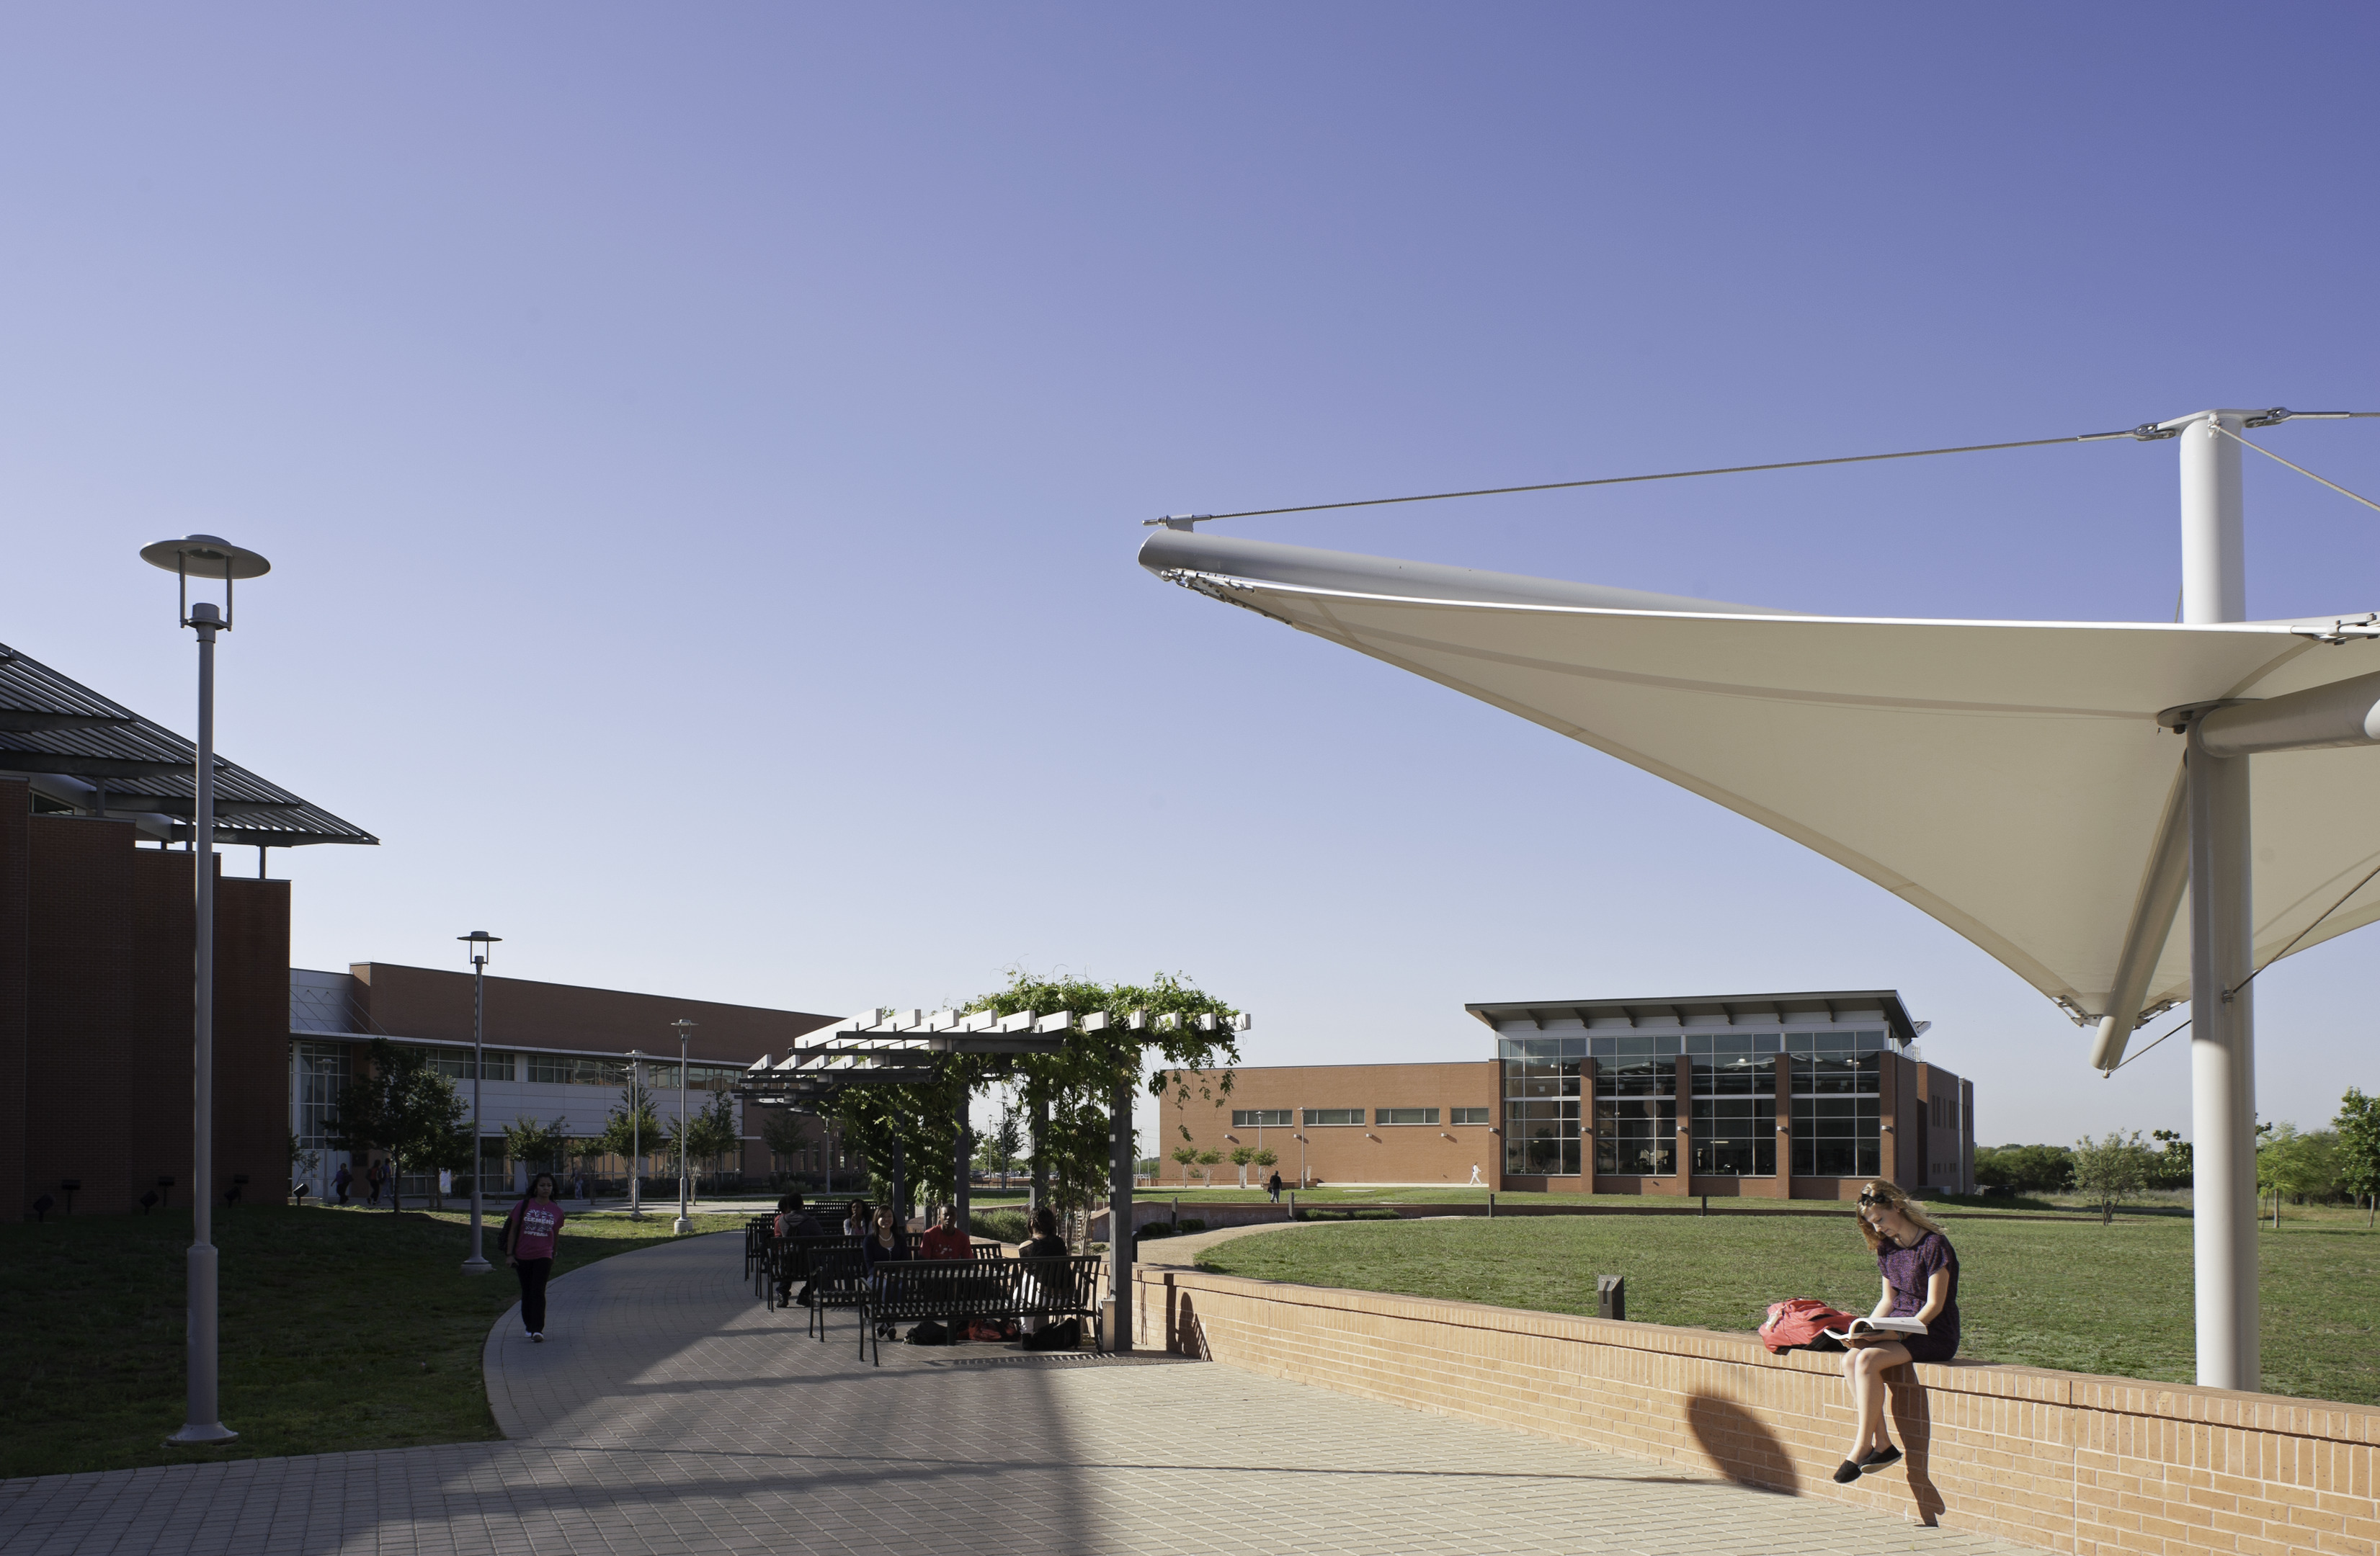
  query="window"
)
[
  {"x": 454, "y": 1064},
  {"x": 1542, "y": 1081},
  {"x": 1260, "y": 1119},
  {"x": 1317, "y": 1117},
  {"x": 1734, "y": 1127},
  {"x": 1636, "y": 1104},
  {"x": 1837, "y": 1102},
  {"x": 1474, "y": 1115},
  {"x": 1404, "y": 1116},
  {"x": 561, "y": 1069},
  {"x": 318, "y": 1070}
]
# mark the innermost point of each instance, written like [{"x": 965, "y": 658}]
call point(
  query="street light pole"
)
[
  {"x": 212, "y": 557},
  {"x": 685, "y": 1221},
  {"x": 636, "y": 1135},
  {"x": 479, "y": 940}
]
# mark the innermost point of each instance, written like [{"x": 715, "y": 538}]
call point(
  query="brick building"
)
[
  {"x": 553, "y": 1052},
  {"x": 1784, "y": 1096}
]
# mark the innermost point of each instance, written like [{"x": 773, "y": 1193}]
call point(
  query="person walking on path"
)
[
  {"x": 341, "y": 1182},
  {"x": 1921, "y": 1281},
  {"x": 531, "y": 1235},
  {"x": 1272, "y": 1187},
  {"x": 1475, "y": 1182},
  {"x": 374, "y": 1175}
]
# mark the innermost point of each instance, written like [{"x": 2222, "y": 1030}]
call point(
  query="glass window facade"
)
[
  {"x": 1260, "y": 1119},
  {"x": 1734, "y": 1125},
  {"x": 1624, "y": 1090},
  {"x": 1541, "y": 1103},
  {"x": 1475, "y": 1115},
  {"x": 562, "y": 1069},
  {"x": 1404, "y": 1115},
  {"x": 1837, "y": 1102},
  {"x": 318, "y": 1071},
  {"x": 1636, "y": 1104},
  {"x": 454, "y": 1064},
  {"x": 1317, "y": 1117}
]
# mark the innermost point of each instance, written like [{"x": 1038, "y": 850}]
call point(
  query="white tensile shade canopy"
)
[{"x": 2008, "y": 778}]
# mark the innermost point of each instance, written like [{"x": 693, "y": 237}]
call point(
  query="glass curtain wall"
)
[
  {"x": 1636, "y": 1104},
  {"x": 1541, "y": 1102},
  {"x": 1837, "y": 1102},
  {"x": 1735, "y": 1102},
  {"x": 318, "y": 1070}
]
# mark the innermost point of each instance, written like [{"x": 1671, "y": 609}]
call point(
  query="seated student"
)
[
  {"x": 887, "y": 1244},
  {"x": 793, "y": 1221},
  {"x": 1046, "y": 1244},
  {"x": 1920, "y": 1275},
  {"x": 946, "y": 1241},
  {"x": 857, "y": 1221}
]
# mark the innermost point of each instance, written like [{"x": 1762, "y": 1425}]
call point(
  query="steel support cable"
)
[
  {"x": 2274, "y": 958},
  {"x": 2300, "y": 469},
  {"x": 2146, "y": 432},
  {"x": 1624, "y": 480}
]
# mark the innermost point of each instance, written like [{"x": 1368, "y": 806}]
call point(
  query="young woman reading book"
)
[{"x": 1921, "y": 1281}]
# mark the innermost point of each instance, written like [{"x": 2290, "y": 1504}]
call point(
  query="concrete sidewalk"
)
[{"x": 670, "y": 1413}]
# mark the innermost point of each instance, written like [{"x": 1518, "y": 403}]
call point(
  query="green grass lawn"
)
[
  {"x": 2071, "y": 1294},
  {"x": 341, "y": 1329}
]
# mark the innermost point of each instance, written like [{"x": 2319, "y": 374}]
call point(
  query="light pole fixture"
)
[
  {"x": 479, "y": 940},
  {"x": 636, "y": 1134},
  {"x": 204, "y": 557},
  {"x": 685, "y": 1221}
]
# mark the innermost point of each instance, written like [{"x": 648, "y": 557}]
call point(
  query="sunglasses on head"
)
[{"x": 1869, "y": 1197}]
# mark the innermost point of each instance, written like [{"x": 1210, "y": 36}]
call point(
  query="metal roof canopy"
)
[
  {"x": 102, "y": 758},
  {"x": 1823, "y": 1007}
]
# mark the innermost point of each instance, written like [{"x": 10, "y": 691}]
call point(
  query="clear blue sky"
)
[{"x": 702, "y": 453}]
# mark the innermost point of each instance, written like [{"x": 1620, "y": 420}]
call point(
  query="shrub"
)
[
  {"x": 1009, "y": 1226},
  {"x": 1154, "y": 1229},
  {"x": 1190, "y": 1223},
  {"x": 2037, "y": 1169}
]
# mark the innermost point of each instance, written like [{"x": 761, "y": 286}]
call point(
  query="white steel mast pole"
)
[{"x": 2222, "y": 1011}]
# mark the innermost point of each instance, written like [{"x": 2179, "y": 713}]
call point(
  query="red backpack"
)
[{"x": 1799, "y": 1323}]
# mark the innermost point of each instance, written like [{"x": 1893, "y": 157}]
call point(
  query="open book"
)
[{"x": 1878, "y": 1326}]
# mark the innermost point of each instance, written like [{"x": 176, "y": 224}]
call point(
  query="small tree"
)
[
  {"x": 2358, "y": 1150},
  {"x": 300, "y": 1157},
  {"x": 1188, "y": 1156},
  {"x": 2107, "y": 1170},
  {"x": 714, "y": 1135},
  {"x": 539, "y": 1147},
  {"x": 787, "y": 1137},
  {"x": 1240, "y": 1157},
  {"x": 1208, "y": 1162},
  {"x": 1006, "y": 1141},
  {"x": 1267, "y": 1159},
  {"x": 633, "y": 1128},
  {"x": 400, "y": 1106},
  {"x": 2172, "y": 1167}
]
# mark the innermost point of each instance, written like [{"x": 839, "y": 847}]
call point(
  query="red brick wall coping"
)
[{"x": 2058, "y": 1460}]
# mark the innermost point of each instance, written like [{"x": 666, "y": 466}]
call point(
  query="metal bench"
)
[
  {"x": 785, "y": 1260},
  {"x": 951, "y": 1290}
]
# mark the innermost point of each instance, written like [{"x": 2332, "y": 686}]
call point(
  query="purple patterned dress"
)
[{"x": 1907, "y": 1271}]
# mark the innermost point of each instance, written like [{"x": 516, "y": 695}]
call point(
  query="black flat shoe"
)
[
  {"x": 1883, "y": 1458},
  {"x": 1846, "y": 1472}
]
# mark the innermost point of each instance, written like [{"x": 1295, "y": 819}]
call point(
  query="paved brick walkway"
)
[{"x": 670, "y": 1414}]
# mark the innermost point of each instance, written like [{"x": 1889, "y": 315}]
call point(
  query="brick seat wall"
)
[{"x": 2059, "y": 1461}]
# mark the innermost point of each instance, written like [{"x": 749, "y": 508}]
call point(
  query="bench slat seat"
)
[{"x": 942, "y": 1290}]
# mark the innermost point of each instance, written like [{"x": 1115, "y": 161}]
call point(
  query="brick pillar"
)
[
  {"x": 1784, "y": 1126},
  {"x": 15, "y": 811},
  {"x": 1587, "y": 1126},
  {"x": 1892, "y": 1085},
  {"x": 1683, "y": 1078}
]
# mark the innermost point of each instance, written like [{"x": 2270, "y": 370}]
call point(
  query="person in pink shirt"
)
[{"x": 532, "y": 1233}]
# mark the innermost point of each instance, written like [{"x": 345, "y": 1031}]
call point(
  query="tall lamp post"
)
[
  {"x": 685, "y": 1221},
  {"x": 636, "y": 1134},
  {"x": 205, "y": 557},
  {"x": 479, "y": 940}
]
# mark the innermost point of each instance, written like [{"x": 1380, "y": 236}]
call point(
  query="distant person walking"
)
[
  {"x": 374, "y": 1176},
  {"x": 1475, "y": 1182},
  {"x": 578, "y": 1188},
  {"x": 342, "y": 1181},
  {"x": 1272, "y": 1187},
  {"x": 532, "y": 1233},
  {"x": 1921, "y": 1281}
]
